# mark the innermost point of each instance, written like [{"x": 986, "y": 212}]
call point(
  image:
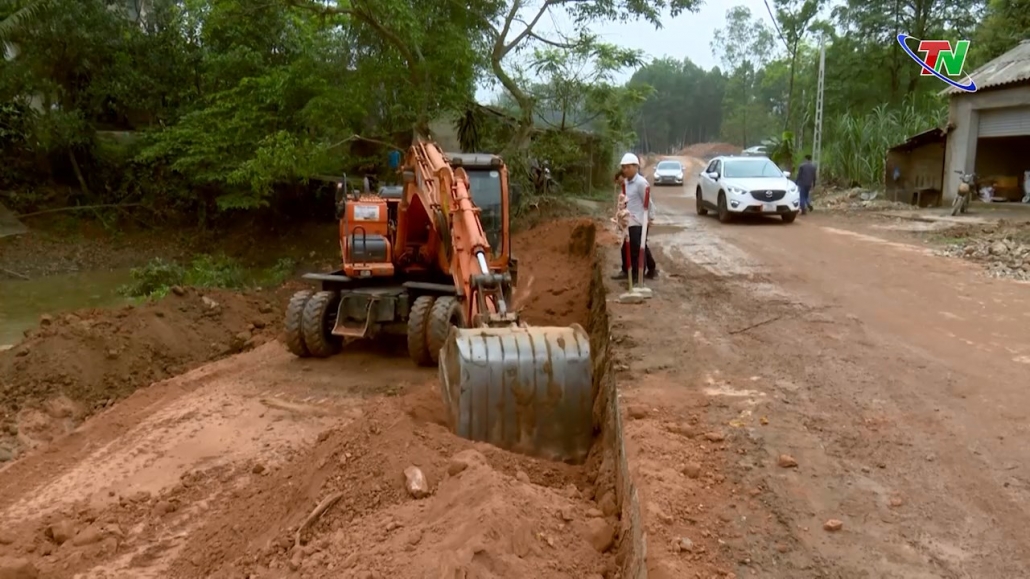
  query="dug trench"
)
[{"x": 253, "y": 463}]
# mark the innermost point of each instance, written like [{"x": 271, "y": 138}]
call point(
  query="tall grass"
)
[{"x": 856, "y": 145}]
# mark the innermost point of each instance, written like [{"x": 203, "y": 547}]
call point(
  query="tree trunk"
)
[
  {"x": 78, "y": 173},
  {"x": 790, "y": 86},
  {"x": 744, "y": 118}
]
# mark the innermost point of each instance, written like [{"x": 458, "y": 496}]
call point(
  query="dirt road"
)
[{"x": 784, "y": 376}]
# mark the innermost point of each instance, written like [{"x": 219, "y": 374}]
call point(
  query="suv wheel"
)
[
  {"x": 701, "y": 203},
  {"x": 724, "y": 212}
]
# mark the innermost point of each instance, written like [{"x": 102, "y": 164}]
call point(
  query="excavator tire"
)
[
  {"x": 418, "y": 326},
  {"x": 294, "y": 314},
  {"x": 446, "y": 313},
  {"x": 523, "y": 389},
  {"x": 317, "y": 324}
]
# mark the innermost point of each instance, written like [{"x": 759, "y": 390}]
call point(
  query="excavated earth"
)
[{"x": 180, "y": 439}]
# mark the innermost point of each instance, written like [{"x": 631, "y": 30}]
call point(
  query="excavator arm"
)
[
  {"x": 444, "y": 190},
  {"x": 521, "y": 388}
]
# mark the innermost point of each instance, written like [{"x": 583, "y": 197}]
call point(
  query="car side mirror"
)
[{"x": 786, "y": 173}]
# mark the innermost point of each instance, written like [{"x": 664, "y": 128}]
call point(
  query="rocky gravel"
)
[{"x": 1004, "y": 250}]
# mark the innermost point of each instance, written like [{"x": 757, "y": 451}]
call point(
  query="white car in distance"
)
[
  {"x": 733, "y": 186},
  {"x": 668, "y": 172}
]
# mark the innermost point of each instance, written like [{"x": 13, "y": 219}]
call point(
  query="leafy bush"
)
[
  {"x": 158, "y": 276},
  {"x": 154, "y": 278},
  {"x": 279, "y": 273}
]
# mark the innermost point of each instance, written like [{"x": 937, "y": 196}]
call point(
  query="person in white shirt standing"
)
[{"x": 637, "y": 193}]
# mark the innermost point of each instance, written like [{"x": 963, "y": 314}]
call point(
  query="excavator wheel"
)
[
  {"x": 447, "y": 312},
  {"x": 318, "y": 322},
  {"x": 418, "y": 326},
  {"x": 523, "y": 389},
  {"x": 294, "y": 315}
]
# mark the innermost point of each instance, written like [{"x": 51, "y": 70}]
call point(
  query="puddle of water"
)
[{"x": 22, "y": 302}]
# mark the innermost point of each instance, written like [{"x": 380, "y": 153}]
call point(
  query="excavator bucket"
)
[{"x": 524, "y": 389}]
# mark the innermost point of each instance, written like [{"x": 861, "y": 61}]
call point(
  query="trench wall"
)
[{"x": 613, "y": 471}]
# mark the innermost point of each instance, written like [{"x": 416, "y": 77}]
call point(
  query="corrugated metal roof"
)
[
  {"x": 1013, "y": 66},
  {"x": 915, "y": 141}
]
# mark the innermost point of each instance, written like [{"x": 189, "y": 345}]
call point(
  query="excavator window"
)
[{"x": 486, "y": 194}]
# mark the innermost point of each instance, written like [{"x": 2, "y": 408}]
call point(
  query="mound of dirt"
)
[
  {"x": 488, "y": 512},
  {"x": 74, "y": 364},
  {"x": 709, "y": 150},
  {"x": 555, "y": 268}
]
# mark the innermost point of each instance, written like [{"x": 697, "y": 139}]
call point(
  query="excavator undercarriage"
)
[{"x": 431, "y": 259}]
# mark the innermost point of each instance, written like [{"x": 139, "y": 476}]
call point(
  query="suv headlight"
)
[
  {"x": 735, "y": 191},
  {"x": 793, "y": 188}
]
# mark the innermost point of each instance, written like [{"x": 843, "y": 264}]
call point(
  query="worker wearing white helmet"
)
[{"x": 637, "y": 191}]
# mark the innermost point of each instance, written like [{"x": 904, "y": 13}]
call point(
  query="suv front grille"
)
[{"x": 768, "y": 195}]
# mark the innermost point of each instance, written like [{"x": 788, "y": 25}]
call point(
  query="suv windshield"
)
[
  {"x": 668, "y": 166},
  {"x": 748, "y": 169},
  {"x": 485, "y": 188}
]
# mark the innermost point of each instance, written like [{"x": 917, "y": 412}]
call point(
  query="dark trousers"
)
[
  {"x": 806, "y": 196},
  {"x": 633, "y": 248}
]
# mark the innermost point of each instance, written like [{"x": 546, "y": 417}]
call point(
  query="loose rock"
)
[
  {"x": 11, "y": 568},
  {"x": 465, "y": 459},
  {"x": 637, "y": 411},
  {"x": 833, "y": 525},
  {"x": 88, "y": 536},
  {"x": 415, "y": 482},
  {"x": 683, "y": 545},
  {"x": 600, "y": 534},
  {"x": 61, "y": 531},
  {"x": 787, "y": 461},
  {"x": 715, "y": 436},
  {"x": 692, "y": 469}
]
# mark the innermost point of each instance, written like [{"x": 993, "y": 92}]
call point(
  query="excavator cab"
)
[{"x": 489, "y": 191}]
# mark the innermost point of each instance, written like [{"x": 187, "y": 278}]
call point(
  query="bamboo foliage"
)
[{"x": 856, "y": 146}]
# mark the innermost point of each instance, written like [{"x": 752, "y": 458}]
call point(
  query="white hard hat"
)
[{"x": 630, "y": 159}]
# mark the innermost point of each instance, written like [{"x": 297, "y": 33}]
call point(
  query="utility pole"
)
[{"x": 817, "y": 138}]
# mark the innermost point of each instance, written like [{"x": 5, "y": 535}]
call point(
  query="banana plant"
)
[
  {"x": 15, "y": 12},
  {"x": 781, "y": 150}
]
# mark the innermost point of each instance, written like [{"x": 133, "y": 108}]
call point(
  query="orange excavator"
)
[{"x": 432, "y": 259}]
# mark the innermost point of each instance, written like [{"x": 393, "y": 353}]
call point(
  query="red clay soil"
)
[
  {"x": 76, "y": 363},
  {"x": 555, "y": 265},
  {"x": 709, "y": 150},
  {"x": 328, "y": 428}
]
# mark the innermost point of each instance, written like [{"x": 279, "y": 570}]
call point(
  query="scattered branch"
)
[
  {"x": 14, "y": 273},
  {"x": 316, "y": 514},
  {"x": 80, "y": 208},
  {"x": 756, "y": 325}
]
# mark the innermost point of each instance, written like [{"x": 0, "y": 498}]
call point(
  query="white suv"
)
[{"x": 733, "y": 186}]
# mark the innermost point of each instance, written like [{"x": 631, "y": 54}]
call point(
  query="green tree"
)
[
  {"x": 684, "y": 107},
  {"x": 793, "y": 20},
  {"x": 744, "y": 45},
  {"x": 1005, "y": 24}
]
